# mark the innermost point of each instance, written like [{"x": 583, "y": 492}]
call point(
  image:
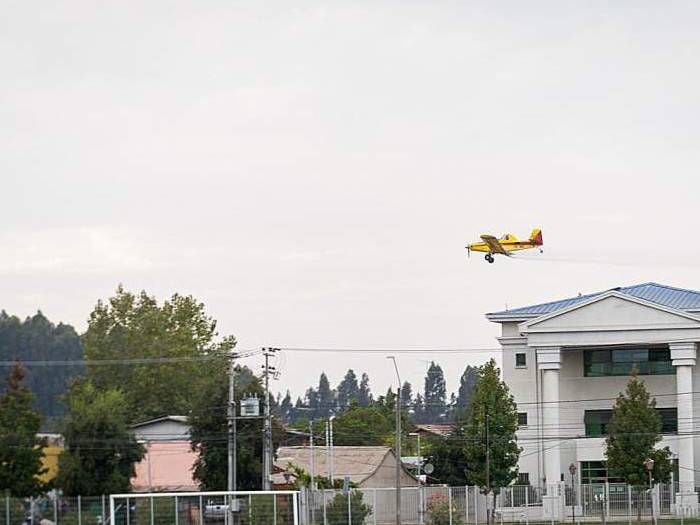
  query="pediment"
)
[{"x": 612, "y": 311}]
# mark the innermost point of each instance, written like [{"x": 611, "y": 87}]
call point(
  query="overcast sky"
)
[{"x": 312, "y": 171}]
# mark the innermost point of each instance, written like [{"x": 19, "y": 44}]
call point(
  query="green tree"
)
[
  {"x": 448, "y": 457},
  {"x": 101, "y": 451},
  {"x": 348, "y": 390},
  {"x": 38, "y": 339},
  {"x": 633, "y": 432},
  {"x": 21, "y": 452},
  {"x": 364, "y": 397},
  {"x": 209, "y": 428},
  {"x": 435, "y": 394},
  {"x": 326, "y": 397},
  {"x": 493, "y": 415},
  {"x": 130, "y": 326},
  {"x": 406, "y": 395},
  {"x": 363, "y": 426},
  {"x": 466, "y": 389}
]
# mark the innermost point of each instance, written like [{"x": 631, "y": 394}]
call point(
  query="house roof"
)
[
  {"x": 357, "y": 463},
  {"x": 177, "y": 419},
  {"x": 438, "y": 429},
  {"x": 668, "y": 296}
]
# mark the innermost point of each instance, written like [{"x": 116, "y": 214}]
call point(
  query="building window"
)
[
  {"x": 520, "y": 360},
  {"x": 621, "y": 361},
  {"x": 522, "y": 419},
  {"x": 596, "y": 421},
  {"x": 523, "y": 478},
  {"x": 596, "y": 472}
]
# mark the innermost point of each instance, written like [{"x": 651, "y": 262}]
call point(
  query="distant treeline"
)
[
  {"x": 38, "y": 339},
  {"x": 431, "y": 404}
]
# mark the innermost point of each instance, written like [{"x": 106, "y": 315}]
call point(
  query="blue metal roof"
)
[{"x": 678, "y": 298}]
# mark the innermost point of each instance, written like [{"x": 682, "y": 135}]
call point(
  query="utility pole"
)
[
  {"x": 332, "y": 463},
  {"x": 488, "y": 470},
  {"x": 397, "y": 447},
  {"x": 313, "y": 459},
  {"x": 232, "y": 474},
  {"x": 398, "y": 455},
  {"x": 267, "y": 425}
]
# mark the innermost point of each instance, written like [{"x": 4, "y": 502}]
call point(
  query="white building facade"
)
[{"x": 566, "y": 361}]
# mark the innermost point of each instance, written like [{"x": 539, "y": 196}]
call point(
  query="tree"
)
[
  {"x": 491, "y": 425},
  {"x": 448, "y": 457},
  {"x": 286, "y": 408},
  {"x": 21, "y": 452},
  {"x": 209, "y": 429},
  {"x": 633, "y": 432},
  {"x": 348, "y": 390},
  {"x": 466, "y": 389},
  {"x": 363, "y": 426},
  {"x": 435, "y": 394},
  {"x": 101, "y": 451},
  {"x": 38, "y": 339},
  {"x": 364, "y": 397},
  {"x": 326, "y": 397},
  {"x": 419, "y": 409},
  {"x": 406, "y": 395},
  {"x": 130, "y": 326}
]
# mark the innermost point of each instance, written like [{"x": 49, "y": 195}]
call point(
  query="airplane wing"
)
[{"x": 493, "y": 244}]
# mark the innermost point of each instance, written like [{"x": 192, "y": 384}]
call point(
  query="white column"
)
[
  {"x": 683, "y": 356},
  {"x": 549, "y": 363}
]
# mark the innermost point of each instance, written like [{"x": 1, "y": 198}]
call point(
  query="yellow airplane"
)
[{"x": 505, "y": 245}]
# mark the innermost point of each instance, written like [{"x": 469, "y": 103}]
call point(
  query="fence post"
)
[
  {"x": 629, "y": 504},
  {"x": 323, "y": 494},
  {"x": 374, "y": 505},
  {"x": 349, "y": 510},
  {"x": 274, "y": 510},
  {"x": 102, "y": 514},
  {"x": 112, "y": 519},
  {"x": 476, "y": 506},
  {"x": 7, "y": 509},
  {"x": 449, "y": 502},
  {"x": 55, "y": 510},
  {"x": 295, "y": 508},
  {"x": 80, "y": 511},
  {"x": 527, "y": 504}
]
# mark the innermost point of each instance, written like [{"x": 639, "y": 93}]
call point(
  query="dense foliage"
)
[
  {"x": 633, "y": 432},
  {"x": 130, "y": 326},
  {"x": 493, "y": 411},
  {"x": 37, "y": 339},
  {"x": 209, "y": 429},
  {"x": 20, "y": 450},
  {"x": 100, "y": 449}
]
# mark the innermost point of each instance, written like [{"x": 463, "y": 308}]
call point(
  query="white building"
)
[{"x": 566, "y": 361}]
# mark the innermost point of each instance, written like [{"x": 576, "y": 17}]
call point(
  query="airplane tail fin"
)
[{"x": 536, "y": 237}]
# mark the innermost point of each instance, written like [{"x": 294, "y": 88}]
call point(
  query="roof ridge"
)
[{"x": 668, "y": 287}]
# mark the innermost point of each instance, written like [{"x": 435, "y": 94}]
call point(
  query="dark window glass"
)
[
  {"x": 522, "y": 419},
  {"x": 596, "y": 421},
  {"x": 520, "y": 360},
  {"x": 621, "y": 361},
  {"x": 523, "y": 478}
]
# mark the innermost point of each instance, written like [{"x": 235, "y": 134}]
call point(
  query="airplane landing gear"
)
[{"x": 489, "y": 257}]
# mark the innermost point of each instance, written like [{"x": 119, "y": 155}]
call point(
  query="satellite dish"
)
[{"x": 428, "y": 468}]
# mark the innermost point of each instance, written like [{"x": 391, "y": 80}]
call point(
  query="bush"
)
[
  {"x": 337, "y": 509},
  {"x": 439, "y": 511}
]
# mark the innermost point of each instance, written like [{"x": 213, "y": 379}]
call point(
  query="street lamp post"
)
[
  {"x": 649, "y": 465},
  {"x": 398, "y": 442},
  {"x": 572, "y": 471}
]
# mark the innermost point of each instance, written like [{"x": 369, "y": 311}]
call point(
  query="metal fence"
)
[{"x": 428, "y": 505}]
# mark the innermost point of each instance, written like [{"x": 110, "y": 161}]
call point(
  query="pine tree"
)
[
  {"x": 364, "y": 397},
  {"x": 493, "y": 413},
  {"x": 325, "y": 398},
  {"x": 466, "y": 389},
  {"x": 435, "y": 394},
  {"x": 406, "y": 395},
  {"x": 633, "y": 432},
  {"x": 348, "y": 390},
  {"x": 419, "y": 409},
  {"x": 286, "y": 407},
  {"x": 20, "y": 450}
]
